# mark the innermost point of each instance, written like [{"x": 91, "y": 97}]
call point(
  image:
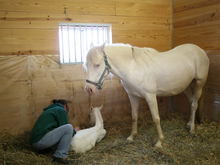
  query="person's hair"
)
[{"x": 63, "y": 102}]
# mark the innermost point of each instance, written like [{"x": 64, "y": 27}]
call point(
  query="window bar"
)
[
  {"x": 68, "y": 41},
  {"x": 92, "y": 34},
  {"x": 86, "y": 38},
  {"x": 108, "y": 35},
  {"x": 97, "y": 34},
  {"x": 103, "y": 38},
  {"x": 62, "y": 43},
  {"x": 74, "y": 28},
  {"x": 80, "y": 33}
]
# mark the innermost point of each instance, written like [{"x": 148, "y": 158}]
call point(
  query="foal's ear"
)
[
  {"x": 91, "y": 45},
  {"x": 91, "y": 108},
  {"x": 101, "y": 48},
  {"x": 101, "y": 107}
]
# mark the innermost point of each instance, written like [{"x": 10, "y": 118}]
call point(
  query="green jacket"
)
[{"x": 53, "y": 116}]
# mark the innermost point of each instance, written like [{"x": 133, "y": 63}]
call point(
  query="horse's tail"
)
[{"x": 199, "y": 112}]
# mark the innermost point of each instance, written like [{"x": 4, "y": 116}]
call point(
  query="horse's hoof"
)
[
  {"x": 192, "y": 134},
  {"x": 130, "y": 139},
  {"x": 158, "y": 145}
]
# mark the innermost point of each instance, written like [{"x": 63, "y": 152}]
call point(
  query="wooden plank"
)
[
  {"x": 88, "y": 7},
  {"x": 212, "y": 95},
  {"x": 145, "y": 1},
  {"x": 208, "y": 33},
  {"x": 142, "y": 9},
  {"x": 40, "y": 48},
  {"x": 28, "y": 36},
  {"x": 214, "y": 64},
  {"x": 38, "y": 41},
  {"x": 160, "y": 40},
  {"x": 83, "y": 7},
  {"x": 43, "y": 20},
  {"x": 195, "y": 7},
  {"x": 31, "y": 33},
  {"x": 211, "y": 18},
  {"x": 213, "y": 79},
  {"x": 212, "y": 111}
]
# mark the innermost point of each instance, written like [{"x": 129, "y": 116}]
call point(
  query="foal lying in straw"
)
[{"x": 85, "y": 139}]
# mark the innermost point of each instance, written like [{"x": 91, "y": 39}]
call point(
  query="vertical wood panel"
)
[{"x": 198, "y": 22}]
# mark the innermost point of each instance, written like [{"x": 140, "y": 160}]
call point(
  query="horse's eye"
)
[{"x": 97, "y": 65}]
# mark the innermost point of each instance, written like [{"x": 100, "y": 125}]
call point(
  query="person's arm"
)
[{"x": 63, "y": 119}]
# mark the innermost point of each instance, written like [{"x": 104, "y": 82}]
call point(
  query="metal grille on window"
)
[{"x": 75, "y": 40}]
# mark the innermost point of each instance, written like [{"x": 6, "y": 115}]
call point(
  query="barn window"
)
[{"x": 75, "y": 40}]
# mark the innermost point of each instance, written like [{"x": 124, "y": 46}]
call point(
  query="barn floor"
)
[{"x": 178, "y": 148}]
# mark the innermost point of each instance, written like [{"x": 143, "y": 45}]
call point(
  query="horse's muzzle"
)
[{"x": 90, "y": 89}]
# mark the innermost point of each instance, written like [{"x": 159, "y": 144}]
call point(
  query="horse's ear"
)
[
  {"x": 91, "y": 45},
  {"x": 91, "y": 108},
  {"x": 101, "y": 48},
  {"x": 101, "y": 107}
]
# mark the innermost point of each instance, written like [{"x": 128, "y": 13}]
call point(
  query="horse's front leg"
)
[
  {"x": 152, "y": 103},
  {"x": 134, "y": 105}
]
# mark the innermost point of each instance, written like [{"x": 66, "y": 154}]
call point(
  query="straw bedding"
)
[{"x": 179, "y": 147}]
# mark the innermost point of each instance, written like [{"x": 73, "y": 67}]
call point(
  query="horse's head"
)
[
  {"x": 96, "y": 69},
  {"x": 93, "y": 114}
]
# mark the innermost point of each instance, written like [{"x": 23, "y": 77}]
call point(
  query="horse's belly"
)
[
  {"x": 174, "y": 85},
  {"x": 164, "y": 93}
]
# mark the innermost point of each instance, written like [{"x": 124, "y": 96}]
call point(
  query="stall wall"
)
[
  {"x": 30, "y": 72},
  {"x": 198, "y": 22}
]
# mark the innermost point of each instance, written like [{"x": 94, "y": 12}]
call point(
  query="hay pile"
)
[{"x": 178, "y": 148}]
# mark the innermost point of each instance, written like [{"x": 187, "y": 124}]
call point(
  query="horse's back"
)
[
  {"x": 188, "y": 51},
  {"x": 197, "y": 56},
  {"x": 178, "y": 67}
]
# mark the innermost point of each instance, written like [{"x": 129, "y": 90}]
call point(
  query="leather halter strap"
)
[{"x": 107, "y": 69}]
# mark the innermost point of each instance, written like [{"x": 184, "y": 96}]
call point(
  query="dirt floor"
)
[{"x": 179, "y": 146}]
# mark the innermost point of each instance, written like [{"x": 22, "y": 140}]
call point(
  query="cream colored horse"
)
[
  {"x": 147, "y": 73},
  {"x": 85, "y": 139}
]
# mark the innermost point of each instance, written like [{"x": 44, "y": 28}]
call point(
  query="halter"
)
[{"x": 107, "y": 68}]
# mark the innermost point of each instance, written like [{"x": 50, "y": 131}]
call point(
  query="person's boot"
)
[{"x": 63, "y": 160}]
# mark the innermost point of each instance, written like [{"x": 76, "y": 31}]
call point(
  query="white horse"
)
[
  {"x": 147, "y": 73},
  {"x": 84, "y": 140}
]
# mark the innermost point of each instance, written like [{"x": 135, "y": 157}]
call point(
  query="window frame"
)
[{"x": 108, "y": 40}]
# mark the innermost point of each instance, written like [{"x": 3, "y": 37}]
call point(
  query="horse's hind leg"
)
[
  {"x": 134, "y": 106},
  {"x": 189, "y": 93},
  {"x": 198, "y": 85}
]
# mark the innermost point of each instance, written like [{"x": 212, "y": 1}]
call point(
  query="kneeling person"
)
[{"x": 52, "y": 130}]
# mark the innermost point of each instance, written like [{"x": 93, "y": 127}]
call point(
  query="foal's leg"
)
[
  {"x": 134, "y": 105},
  {"x": 101, "y": 135},
  {"x": 152, "y": 103},
  {"x": 197, "y": 94},
  {"x": 189, "y": 94}
]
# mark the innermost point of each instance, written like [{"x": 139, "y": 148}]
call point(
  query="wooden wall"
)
[
  {"x": 198, "y": 22},
  {"x": 31, "y": 75},
  {"x": 30, "y": 27}
]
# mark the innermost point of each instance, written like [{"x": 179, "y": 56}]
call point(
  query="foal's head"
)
[{"x": 94, "y": 113}]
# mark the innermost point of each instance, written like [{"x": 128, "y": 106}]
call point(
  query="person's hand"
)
[{"x": 76, "y": 129}]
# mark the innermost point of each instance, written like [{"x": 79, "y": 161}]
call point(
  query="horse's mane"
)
[
  {"x": 143, "y": 55},
  {"x": 121, "y": 44}
]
